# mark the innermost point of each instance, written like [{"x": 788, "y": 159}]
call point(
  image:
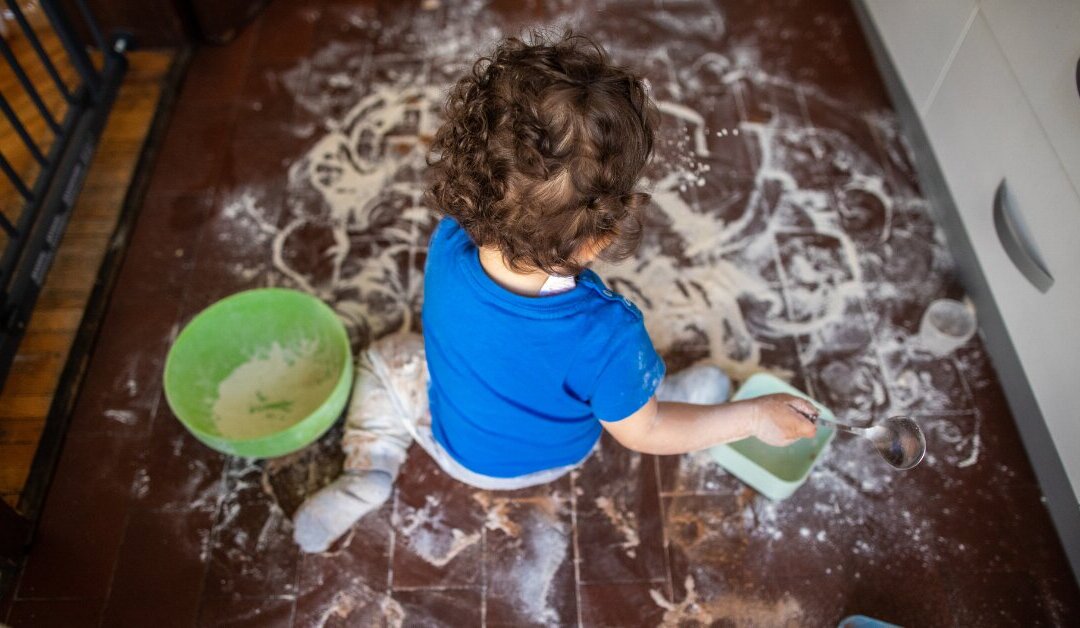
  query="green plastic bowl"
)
[
  {"x": 261, "y": 373},
  {"x": 775, "y": 472}
]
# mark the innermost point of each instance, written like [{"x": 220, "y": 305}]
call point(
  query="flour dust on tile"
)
[
  {"x": 775, "y": 222},
  {"x": 727, "y": 609},
  {"x": 424, "y": 531}
]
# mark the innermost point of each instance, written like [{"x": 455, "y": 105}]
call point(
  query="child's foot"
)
[{"x": 328, "y": 514}]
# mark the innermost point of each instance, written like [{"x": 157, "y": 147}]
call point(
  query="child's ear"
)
[{"x": 592, "y": 249}]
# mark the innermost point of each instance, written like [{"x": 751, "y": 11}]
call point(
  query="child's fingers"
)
[
  {"x": 802, "y": 407},
  {"x": 807, "y": 411},
  {"x": 807, "y": 408}
]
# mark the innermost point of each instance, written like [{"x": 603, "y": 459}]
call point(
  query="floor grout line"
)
[
  {"x": 116, "y": 562},
  {"x": 577, "y": 550},
  {"x": 663, "y": 531},
  {"x": 300, "y": 565},
  {"x": 393, "y": 545},
  {"x": 976, "y": 433},
  {"x": 211, "y": 539},
  {"x": 483, "y": 575},
  {"x": 437, "y": 588}
]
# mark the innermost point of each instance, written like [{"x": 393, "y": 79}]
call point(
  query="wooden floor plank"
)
[
  {"x": 24, "y": 406},
  {"x": 56, "y": 319},
  {"x": 34, "y": 373},
  {"x": 21, "y": 431},
  {"x": 27, "y": 395}
]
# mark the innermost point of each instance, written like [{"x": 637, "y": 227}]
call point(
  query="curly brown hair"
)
[{"x": 540, "y": 151}]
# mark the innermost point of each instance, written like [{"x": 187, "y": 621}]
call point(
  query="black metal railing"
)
[{"x": 33, "y": 234}]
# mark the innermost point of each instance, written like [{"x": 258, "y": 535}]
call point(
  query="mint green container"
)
[
  {"x": 775, "y": 472},
  {"x": 240, "y": 328}
]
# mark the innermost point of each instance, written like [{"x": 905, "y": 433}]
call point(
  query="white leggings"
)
[{"x": 389, "y": 410}]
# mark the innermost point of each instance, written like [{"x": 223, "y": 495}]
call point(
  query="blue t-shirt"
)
[{"x": 519, "y": 384}]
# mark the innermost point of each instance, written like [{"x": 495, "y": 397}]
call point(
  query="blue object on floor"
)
[{"x": 862, "y": 621}]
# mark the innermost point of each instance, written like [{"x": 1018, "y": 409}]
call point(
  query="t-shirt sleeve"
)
[
  {"x": 630, "y": 376},
  {"x": 447, "y": 237},
  {"x": 445, "y": 230}
]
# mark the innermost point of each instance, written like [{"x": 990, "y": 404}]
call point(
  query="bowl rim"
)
[
  {"x": 345, "y": 374},
  {"x": 793, "y": 484}
]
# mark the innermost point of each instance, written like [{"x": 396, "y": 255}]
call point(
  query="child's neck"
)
[{"x": 526, "y": 284}]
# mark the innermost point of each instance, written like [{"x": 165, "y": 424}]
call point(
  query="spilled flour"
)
[
  {"x": 429, "y": 537},
  {"x": 530, "y": 581},
  {"x": 624, "y": 521},
  {"x": 498, "y": 514},
  {"x": 727, "y": 610},
  {"x": 528, "y": 540},
  {"x": 274, "y": 389},
  {"x": 778, "y": 240}
]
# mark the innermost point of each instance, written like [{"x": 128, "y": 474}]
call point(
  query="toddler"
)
[{"x": 526, "y": 355}]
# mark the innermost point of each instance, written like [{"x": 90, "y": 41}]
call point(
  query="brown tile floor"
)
[{"x": 789, "y": 235}]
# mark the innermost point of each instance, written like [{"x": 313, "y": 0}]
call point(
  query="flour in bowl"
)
[{"x": 274, "y": 389}]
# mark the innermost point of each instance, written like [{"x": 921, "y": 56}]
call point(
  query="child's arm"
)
[{"x": 667, "y": 427}]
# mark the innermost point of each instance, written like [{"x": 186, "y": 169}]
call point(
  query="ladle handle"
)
[{"x": 843, "y": 427}]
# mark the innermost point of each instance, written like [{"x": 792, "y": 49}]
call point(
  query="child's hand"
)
[{"x": 782, "y": 419}]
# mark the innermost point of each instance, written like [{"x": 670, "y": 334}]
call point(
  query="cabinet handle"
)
[{"x": 1017, "y": 241}]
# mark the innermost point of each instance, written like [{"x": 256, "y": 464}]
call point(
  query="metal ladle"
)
[{"x": 897, "y": 439}]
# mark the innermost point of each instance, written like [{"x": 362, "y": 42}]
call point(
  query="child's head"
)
[{"x": 542, "y": 146}]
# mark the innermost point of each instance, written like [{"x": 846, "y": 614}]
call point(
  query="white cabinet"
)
[
  {"x": 1041, "y": 42},
  {"x": 987, "y": 90},
  {"x": 983, "y": 132},
  {"x": 921, "y": 48}
]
